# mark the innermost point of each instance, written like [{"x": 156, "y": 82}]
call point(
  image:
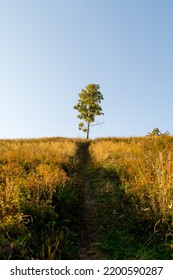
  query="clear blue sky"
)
[{"x": 51, "y": 49}]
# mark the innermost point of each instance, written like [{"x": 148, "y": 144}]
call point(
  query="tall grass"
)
[
  {"x": 145, "y": 166},
  {"x": 33, "y": 179},
  {"x": 135, "y": 189}
]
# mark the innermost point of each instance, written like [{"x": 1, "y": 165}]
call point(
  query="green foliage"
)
[
  {"x": 156, "y": 132},
  {"x": 89, "y": 106}
]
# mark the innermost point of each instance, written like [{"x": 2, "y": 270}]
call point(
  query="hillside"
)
[{"x": 109, "y": 198}]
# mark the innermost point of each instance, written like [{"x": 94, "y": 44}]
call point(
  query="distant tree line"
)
[{"x": 156, "y": 132}]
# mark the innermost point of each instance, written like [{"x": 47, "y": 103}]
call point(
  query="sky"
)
[{"x": 51, "y": 49}]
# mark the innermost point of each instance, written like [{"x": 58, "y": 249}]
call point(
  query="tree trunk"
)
[{"x": 88, "y": 130}]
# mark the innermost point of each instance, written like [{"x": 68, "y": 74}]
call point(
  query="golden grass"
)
[
  {"x": 31, "y": 171},
  {"x": 145, "y": 167}
]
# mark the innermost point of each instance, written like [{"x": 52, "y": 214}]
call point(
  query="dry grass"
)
[
  {"x": 32, "y": 172},
  {"x": 134, "y": 186},
  {"x": 145, "y": 166},
  {"x": 40, "y": 178}
]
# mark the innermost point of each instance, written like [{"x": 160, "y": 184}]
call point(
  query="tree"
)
[
  {"x": 155, "y": 132},
  {"x": 89, "y": 106}
]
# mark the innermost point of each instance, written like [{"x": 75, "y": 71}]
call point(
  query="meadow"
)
[
  {"x": 42, "y": 201},
  {"x": 37, "y": 198},
  {"x": 134, "y": 187}
]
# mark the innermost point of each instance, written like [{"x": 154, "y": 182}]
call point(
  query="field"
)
[
  {"x": 116, "y": 193},
  {"x": 134, "y": 187},
  {"x": 38, "y": 198}
]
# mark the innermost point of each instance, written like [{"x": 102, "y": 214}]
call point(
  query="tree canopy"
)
[{"x": 88, "y": 106}]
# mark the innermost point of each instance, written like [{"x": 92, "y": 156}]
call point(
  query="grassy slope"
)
[
  {"x": 134, "y": 190},
  {"x": 43, "y": 179},
  {"x": 40, "y": 198}
]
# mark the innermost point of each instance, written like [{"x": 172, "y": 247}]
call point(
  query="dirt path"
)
[{"x": 89, "y": 234}]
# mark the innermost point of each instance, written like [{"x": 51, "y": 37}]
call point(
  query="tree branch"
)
[{"x": 97, "y": 124}]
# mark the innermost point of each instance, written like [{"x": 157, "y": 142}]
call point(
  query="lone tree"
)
[{"x": 89, "y": 106}]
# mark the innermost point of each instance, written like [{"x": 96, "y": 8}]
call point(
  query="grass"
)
[
  {"x": 41, "y": 197},
  {"x": 38, "y": 198},
  {"x": 134, "y": 190}
]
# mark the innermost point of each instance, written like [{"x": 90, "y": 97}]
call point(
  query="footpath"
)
[{"x": 89, "y": 233}]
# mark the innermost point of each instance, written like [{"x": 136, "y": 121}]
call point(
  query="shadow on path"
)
[
  {"x": 88, "y": 236},
  {"x": 113, "y": 225}
]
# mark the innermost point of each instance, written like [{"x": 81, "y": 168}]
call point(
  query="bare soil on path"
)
[{"x": 89, "y": 233}]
